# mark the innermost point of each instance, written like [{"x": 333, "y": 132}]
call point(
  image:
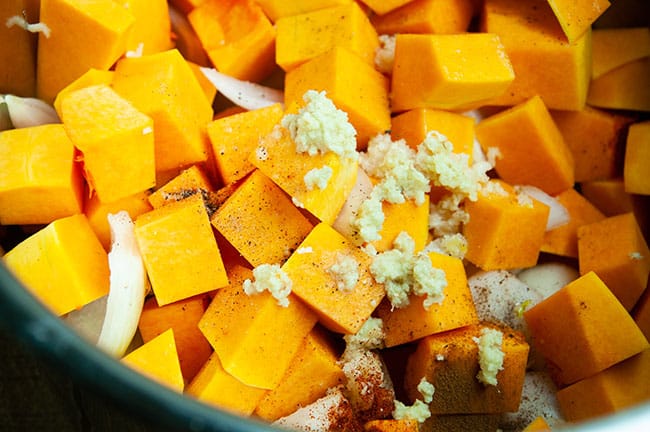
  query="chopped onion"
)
[
  {"x": 246, "y": 94},
  {"x": 547, "y": 278},
  {"x": 27, "y": 112},
  {"x": 346, "y": 217},
  {"x": 558, "y": 216},
  {"x": 128, "y": 286}
]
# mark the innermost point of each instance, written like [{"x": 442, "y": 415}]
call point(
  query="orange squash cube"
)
[
  {"x": 249, "y": 333},
  {"x": 614, "y": 248},
  {"x": 63, "y": 264},
  {"x": 313, "y": 370},
  {"x": 576, "y": 17},
  {"x": 413, "y": 322},
  {"x": 491, "y": 242},
  {"x": 276, "y": 9},
  {"x": 583, "y": 329},
  {"x": 214, "y": 386},
  {"x": 563, "y": 240},
  {"x": 532, "y": 36},
  {"x": 238, "y": 38},
  {"x": 532, "y": 149},
  {"x": 90, "y": 78},
  {"x": 115, "y": 139},
  {"x": 305, "y": 36},
  {"x": 382, "y": 7},
  {"x": 39, "y": 179},
  {"x": 407, "y": 216},
  {"x": 164, "y": 87},
  {"x": 352, "y": 84},
  {"x": 608, "y": 196},
  {"x": 234, "y": 137},
  {"x": 641, "y": 312},
  {"x": 537, "y": 425},
  {"x": 18, "y": 53},
  {"x": 614, "y": 389},
  {"x": 100, "y": 37},
  {"x": 450, "y": 361},
  {"x": 637, "y": 158},
  {"x": 627, "y": 87},
  {"x": 158, "y": 360},
  {"x": 179, "y": 250},
  {"x": 342, "y": 305},
  {"x": 261, "y": 222},
  {"x": 152, "y": 27},
  {"x": 426, "y": 16},
  {"x": 452, "y": 72},
  {"x": 190, "y": 181},
  {"x": 391, "y": 425},
  {"x": 614, "y": 47}
]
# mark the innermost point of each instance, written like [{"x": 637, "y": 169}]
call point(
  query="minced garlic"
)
[
  {"x": 490, "y": 355},
  {"x": 385, "y": 54},
  {"x": 271, "y": 278},
  {"x": 345, "y": 272},
  {"x": 318, "y": 177}
]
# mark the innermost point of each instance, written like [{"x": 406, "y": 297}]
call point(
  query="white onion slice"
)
[
  {"x": 360, "y": 192},
  {"x": 547, "y": 278},
  {"x": 246, "y": 94},
  {"x": 558, "y": 215},
  {"x": 128, "y": 286},
  {"x": 326, "y": 414},
  {"x": 26, "y": 112}
]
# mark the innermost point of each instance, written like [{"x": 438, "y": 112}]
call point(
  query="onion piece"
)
[
  {"x": 360, "y": 192},
  {"x": 27, "y": 112},
  {"x": 548, "y": 278},
  {"x": 246, "y": 94},
  {"x": 128, "y": 286},
  {"x": 330, "y": 413},
  {"x": 558, "y": 215}
]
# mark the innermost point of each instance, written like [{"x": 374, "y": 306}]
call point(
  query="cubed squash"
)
[
  {"x": 413, "y": 322},
  {"x": 583, "y": 329},
  {"x": 190, "y": 181},
  {"x": 452, "y": 72},
  {"x": 613, "y": 47},
  {"x": 637, "y": 159},
  {"x": 18, "y": 54},
  {"x": 492, "y": 244},
  {"x": 276, "y": 9},
  {"x": 261, "y": 222},
  {"x": 531, "y": 148},
  {"x": 63, "y": 264},
  {"x": 450, "y": 361},
  {"x": 251, "y": 332},
  {"x": 305, "y": 36},
  {"x": 608, "y": 196},
  {"x": 576, "y": 17},
  {"x": 163, "y": 86},
  {"x": 627, "y": 87},
  {"x": 96, "y": 32},
  {"x": 151, "y": 32},
  {"x": 426, "y": 16},
  {"x": 391, "y": 425},
  {"x": 39, "y": 178},
  {"x": 179, "y": 250},
  {"x": 90, "y": 78},
  {"x": 333, "y": 277},
  {"x": 381, "y": 7},
  {"x": 614, "y": 248},
  {"x": 115, "y": 139},
  {"x": 408, "y": 217},
  {"x": 158, "y": 359},
  {"x": 532, "y": 36}
]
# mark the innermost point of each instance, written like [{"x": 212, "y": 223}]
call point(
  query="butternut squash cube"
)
[
  {"x": 381, "y": 7},
  {"x": 115, "y": 139},
  {"x": 206, "y": 85},
  {"x": 426, "y": 16},
  {"x": 641, "y": 312},
  {"x": 183, "y": 318},
  {"x": 96, "y": 32},
  {"x": 595, "y": 138},
  {"x": 413, "y": 126},
  {"x": 305, "y": 36},
  {"x": 261, "y": 222},
  {"x": 18, "y": 53},
  {"x": 620, "y": 386},
  {"x": 190, "y": 181},
  {"x": 452, "y": 72},
  {"x": 179, "y": 250},
  {"x": 614, "y": 248},
  {"x": 39, "y": 179},
  {"x": 408, "y": 217},
  {"x": 492, "y": 244},
  {"x": 214, "y": 386},
  {"x": 532, "y": 36},
  {"x": 277, "y": 158},
  {"x": 576, "y": 17},
  {"x": 90, "y": 78},
  {"x": 97, "y": 213},
  {"x": 583, "y": 329},
  {"x": 352, "y": 84},
  {"x": 563, "y": 240},
  {"x": 313, "y": 370},
  {"x": 276, "y": 9},
  {"x": 152, "y": 27},
  {"x": 249, "y": 333},
  {"x": 390, "y": 425},
  {"x": 164, "y": 87},
  {"x": 158, "y": 360},
  {"x": 63, "y": 264},
  {"x": 608, "y": 196},
  {"x": 539, "y": 424},
  {"x": 238, "y": 38},
  {"x": 413, "y": 322},
  {"x": 614, "y": 47},
  {"x": 333, "y": 277},
  {"x": 450, "y": 361},
  {"x": 637, "y": 159},
  {"x": 627, "y": 87},
  {"x": 531, "y": 147},
  {"x": 234, "y": 137}
]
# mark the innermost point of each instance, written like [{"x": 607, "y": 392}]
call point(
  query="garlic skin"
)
[{"x": 128, "y": 287}]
